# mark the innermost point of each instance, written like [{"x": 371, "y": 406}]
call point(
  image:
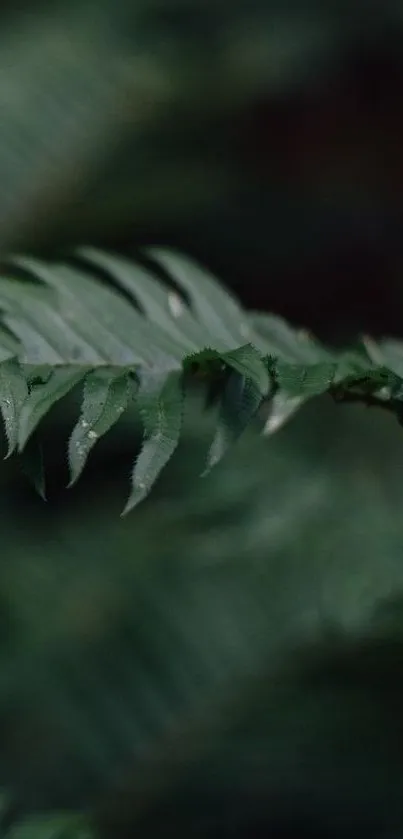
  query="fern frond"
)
[{"x": 62, "y": 325}]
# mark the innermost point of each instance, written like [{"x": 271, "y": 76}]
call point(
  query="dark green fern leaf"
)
[
  {"x": 106, "y": 396},
  {"x": 240, "y": 402},
  {"x": 62, "y": 324},
  {"x": 160, "y": 401}
]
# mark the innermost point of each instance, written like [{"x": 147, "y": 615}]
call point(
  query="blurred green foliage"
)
[
  {"x": 122, "y": 638},
  {"x": 121, "y": 116}
]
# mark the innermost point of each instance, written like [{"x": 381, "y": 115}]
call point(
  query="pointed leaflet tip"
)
[
  {"x": 160, "y": 400},
  {"x": 239, "y": 404},
  {"x": 106, "y": 397},
  {"x": 33, "y": 466}
]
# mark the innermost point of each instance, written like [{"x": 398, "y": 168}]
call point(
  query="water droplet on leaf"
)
[{"x": 175, "y": 304}]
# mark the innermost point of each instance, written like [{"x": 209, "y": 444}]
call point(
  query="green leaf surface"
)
[
  {"x": 35, "y": 316},
  {"x": 300, "y": 380},
  {"x": 13, "y": 393},
  {"x": 43, "y": 397},
  {"x": 280, "y": 409},
  {"x": 215, "y": 307},
  {"x": 161, "y": 305},
  {"x": 101, "y": 327},
  {"x": 240, "y": 402},
  {"x": 160, "y": 401},
  {"x": 249, "y": 363},
  {"x": 246, "y": 360},
  {"x": 106, "y": 396},
  {"x": 9, "y": 345}
]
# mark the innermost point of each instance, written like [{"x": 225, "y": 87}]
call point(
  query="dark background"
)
[{"x": 264, "y": 138}]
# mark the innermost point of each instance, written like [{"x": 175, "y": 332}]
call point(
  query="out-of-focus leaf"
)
[
  {"x": 215, "y": 307},
  {"x": 51, "y": 827}
]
